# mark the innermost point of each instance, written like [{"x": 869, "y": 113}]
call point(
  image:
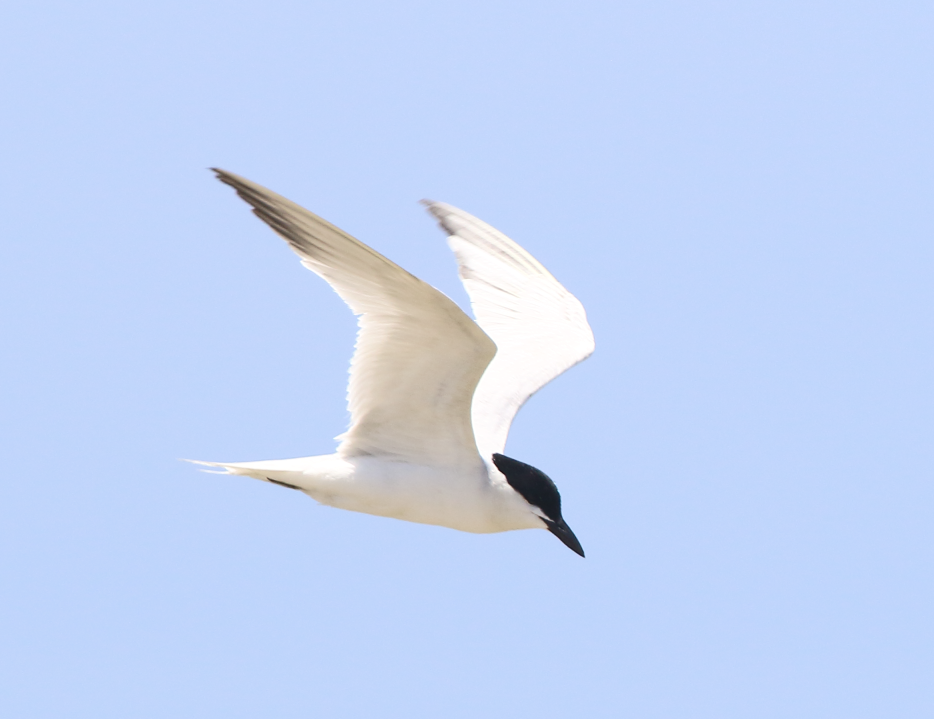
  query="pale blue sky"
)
[{"x": 739, "y": 193}]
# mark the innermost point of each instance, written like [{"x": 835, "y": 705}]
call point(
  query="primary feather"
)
[
  {"x": 418, "y": 356},
  {"x": 540, "y": 329}
]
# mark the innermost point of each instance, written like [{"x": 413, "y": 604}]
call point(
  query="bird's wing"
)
[
  {"x": 540, "y": 329},
  {"x": 418, "y": 356}
]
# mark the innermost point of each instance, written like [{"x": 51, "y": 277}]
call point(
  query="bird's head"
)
[{"x": 540, "y": 492}]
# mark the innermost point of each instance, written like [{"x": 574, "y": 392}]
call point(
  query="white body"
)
[
  {"x": 432, "y": 393},
  {"x": 478, "y": 501}
]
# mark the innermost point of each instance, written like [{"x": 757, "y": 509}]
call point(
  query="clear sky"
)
[{"x": 739, "y": 193}]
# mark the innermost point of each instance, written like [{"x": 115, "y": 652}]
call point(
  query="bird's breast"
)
[{"x": 460, "y": 498}]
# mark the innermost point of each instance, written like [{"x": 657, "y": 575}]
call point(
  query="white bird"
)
[{"x": 432, "y": 393}]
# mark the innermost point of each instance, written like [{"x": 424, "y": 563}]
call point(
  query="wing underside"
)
[
  {"x": 540, "y": 329},
  {"x": 418, "y": 357}
]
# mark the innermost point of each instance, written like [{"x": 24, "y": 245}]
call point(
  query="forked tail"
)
[{"x": 276, "y": 471}]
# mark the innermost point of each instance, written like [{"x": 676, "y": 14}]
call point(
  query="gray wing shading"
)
[{"x": 418, "y": 357}]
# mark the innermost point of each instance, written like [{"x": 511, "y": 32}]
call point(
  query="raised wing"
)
[
  {"x": 418, "y": 356},
  {"x": 540, "y": 329}
]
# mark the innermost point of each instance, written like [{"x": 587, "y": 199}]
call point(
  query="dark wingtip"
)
[
  {"x": 228, "y": 178},
  {"x": 222, "y": 175},
  {"x": 243, "y": 187},
  {"x": 432, "y": 208}
]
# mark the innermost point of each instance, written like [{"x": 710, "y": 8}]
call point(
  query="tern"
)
[{"x": 432, "y": 393}]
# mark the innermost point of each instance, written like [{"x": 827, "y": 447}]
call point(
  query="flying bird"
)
[{"x": 432, "y": 393}]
